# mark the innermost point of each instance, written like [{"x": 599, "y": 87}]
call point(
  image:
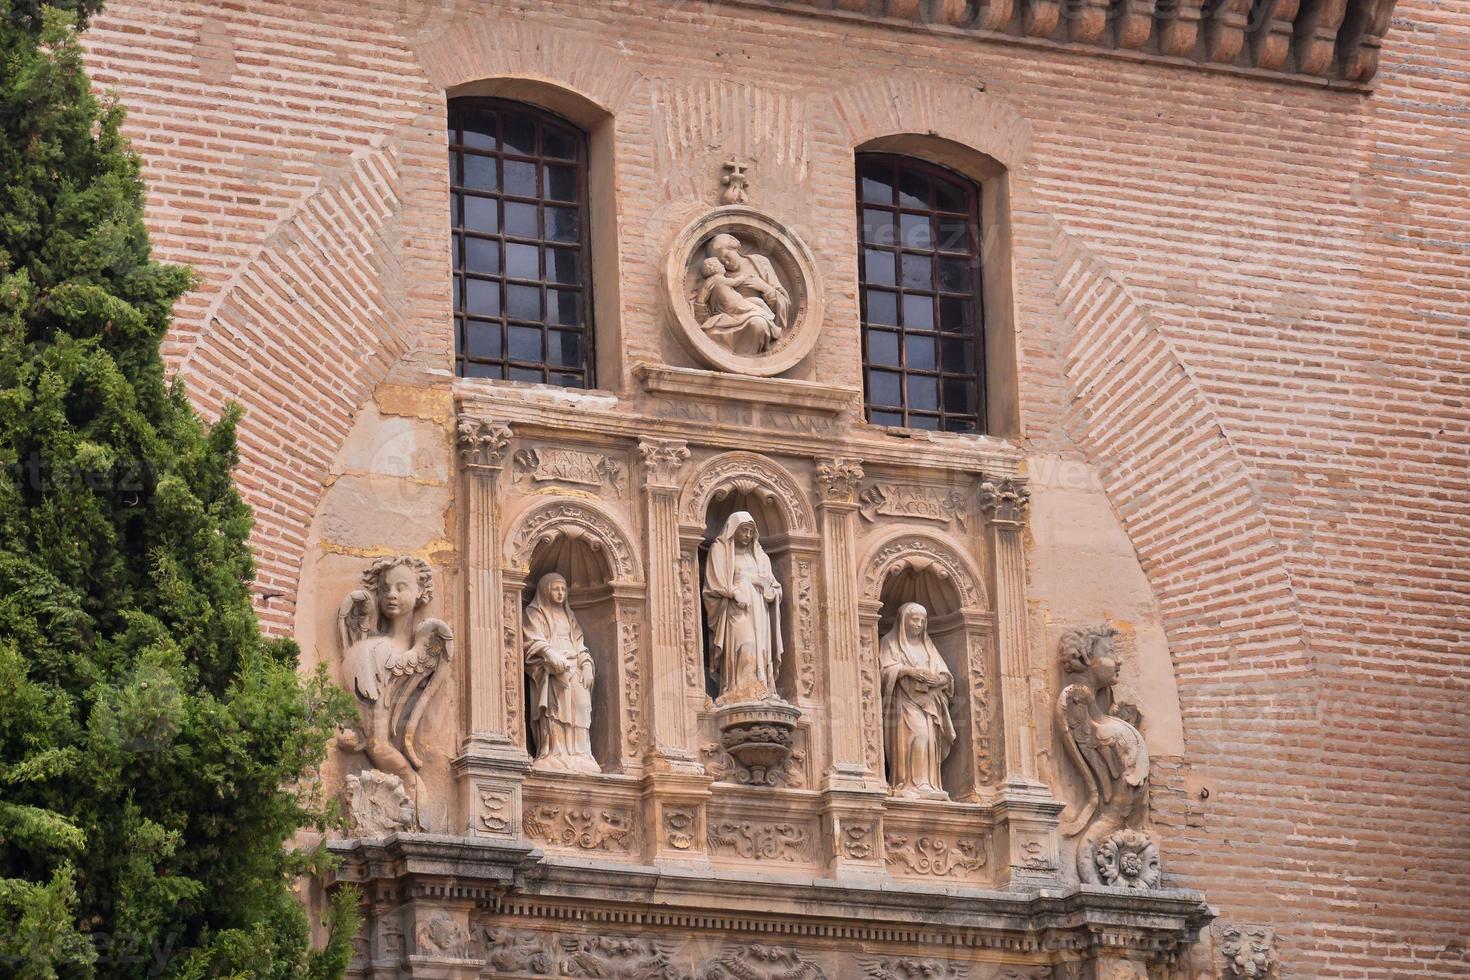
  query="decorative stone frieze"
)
[
  {"x": 583, "y": 828},
  {"x": 619, "y": 958},
  {"x": 931, "y": 855},
  {"x": 758, "y": 961},
  {"x": 756, "y": 840}
]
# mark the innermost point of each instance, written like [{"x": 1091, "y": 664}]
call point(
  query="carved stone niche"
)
[
  {"x": 928, "y": 568},
  {"x": 586, "y": 545},
  {"x": 743, "y": 292}
]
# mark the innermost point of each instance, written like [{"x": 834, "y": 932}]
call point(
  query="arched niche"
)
[
  {"x": 746, "y": 481},
  {"x": 591, "y": 550},
  {"x": 928, "y": 568}
]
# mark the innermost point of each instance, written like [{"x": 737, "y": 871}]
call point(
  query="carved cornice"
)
[
  {"x": 1337, "y": 41},
  {"x": 481, "y": 443},
  {"x": 662, "y": 461},
  {"x": 1005, "y": 502}
]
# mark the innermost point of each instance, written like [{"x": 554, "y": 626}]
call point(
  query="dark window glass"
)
[
  {"x": 518, "y": 181},
  {"x": 923, "y": 334}
]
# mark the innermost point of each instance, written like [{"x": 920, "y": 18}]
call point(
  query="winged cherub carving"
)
[
  {"x": 394, "y": 664},
  {"x": 1103, "y": 742}
]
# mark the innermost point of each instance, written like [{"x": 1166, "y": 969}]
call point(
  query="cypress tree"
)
[{"x": 156, "y": 753}]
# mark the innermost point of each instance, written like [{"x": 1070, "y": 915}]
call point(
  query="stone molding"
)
[{"x": 1335, "y": 44}]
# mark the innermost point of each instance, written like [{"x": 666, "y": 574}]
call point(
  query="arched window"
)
[
  {"x": 522, "y": 275},
  {"x": 923, "y": 319}
]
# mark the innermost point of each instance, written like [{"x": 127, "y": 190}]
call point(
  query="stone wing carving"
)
[
  {"x": 419, "y": 667},
  {"x": 1074, "y": 714},
  {"x": 357, "y": 619}
]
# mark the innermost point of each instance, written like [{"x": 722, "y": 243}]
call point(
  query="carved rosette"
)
[
  {"x": 1005, "y": 502},
  {"x": 481, "y": 443},
  {"x": 1128, "y": 859}
]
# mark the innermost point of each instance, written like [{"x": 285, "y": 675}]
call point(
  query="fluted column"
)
[
  {"x": 672, "y": 727},
  {"x": 1027, "y": 810},
  {"x": 491, "y": 764},
  {"x": 836, "y": 493},
  {"x": 1004, "y": 504}
]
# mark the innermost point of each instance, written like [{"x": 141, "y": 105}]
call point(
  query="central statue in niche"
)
[
  {"x": 917, "y": 685},
  {"x": 743, "y": 602}
]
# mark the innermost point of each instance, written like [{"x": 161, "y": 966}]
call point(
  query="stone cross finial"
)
[{"x": 735, "y": 182}]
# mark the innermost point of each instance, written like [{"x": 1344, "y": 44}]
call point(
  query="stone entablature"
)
[{"x": 1334, "y": 43}]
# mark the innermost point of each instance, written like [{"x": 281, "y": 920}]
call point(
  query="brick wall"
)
[{"x": 1243, "y": 301}]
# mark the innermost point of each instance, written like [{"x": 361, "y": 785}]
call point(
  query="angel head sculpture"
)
[
  {"x": 394, "y": 661},
  {"x": 1104, "y": 743}
]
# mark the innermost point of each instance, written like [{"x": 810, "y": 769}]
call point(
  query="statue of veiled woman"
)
[
  {"x": 743, "y": 602},
  {"x": 917, "y": 685},
  {"x": 560, "y": 669}
]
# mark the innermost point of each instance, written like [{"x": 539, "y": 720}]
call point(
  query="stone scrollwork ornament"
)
[
  {"x": 394, "y": 662},
  {"x": 743, "y": 290},
  {"x": 378, "y": 805},
  {"x": 560, "y": 669},
  {"x": 1104, "y": 743}
]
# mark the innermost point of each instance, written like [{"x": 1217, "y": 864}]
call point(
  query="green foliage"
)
[{"x": 156, "y": 754}]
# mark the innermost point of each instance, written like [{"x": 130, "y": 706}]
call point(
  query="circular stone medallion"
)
[{"x": 743, "y": 292}]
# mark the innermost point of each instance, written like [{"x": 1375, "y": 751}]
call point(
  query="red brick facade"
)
[{"x": 1242, "y": 300}]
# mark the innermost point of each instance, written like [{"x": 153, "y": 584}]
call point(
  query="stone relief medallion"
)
[{"x": 743, "y": 292}]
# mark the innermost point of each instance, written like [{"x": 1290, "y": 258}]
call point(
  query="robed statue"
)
[
  {"x": 742, "y": 601},
  {"x": 394, "y": 662},
  {"x": 917, "y": 686},
  {"x": 559, "y": 666}
]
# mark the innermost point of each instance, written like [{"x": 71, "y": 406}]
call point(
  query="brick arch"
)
[
  {"x": 1166, "y": 459},
  {"x": 959, "y": 113},
  {"x": 472, "y": 50},
  {"x": 308, "y": 328}
]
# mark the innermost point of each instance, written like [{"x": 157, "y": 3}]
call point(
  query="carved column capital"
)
[
  {"x": 837, "y": 480},
  {"x": 663, "y": 459},
  {"x": 481, "y": 443},
  {"x": 1004, "y": 502}
]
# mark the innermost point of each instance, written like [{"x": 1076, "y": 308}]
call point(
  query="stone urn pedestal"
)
[{"x": 758, "y": 736}]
